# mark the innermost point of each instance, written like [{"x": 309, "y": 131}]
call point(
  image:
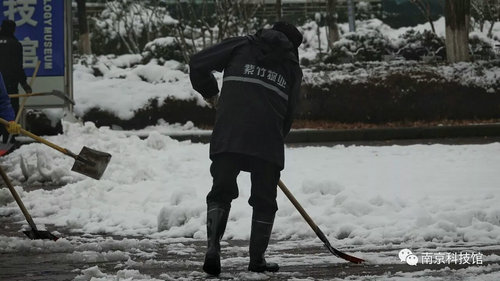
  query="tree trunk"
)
[
  {"x": 278, "y": 10},
  {"x": 84, "y": 42},
  {"x": 457, "y": 17},
  {"x": 490, "y": 30},
  {"x": 331, "y": 19},
  {"x": 493, "y": 7}
]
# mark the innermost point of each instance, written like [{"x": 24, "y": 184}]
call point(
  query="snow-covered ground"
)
[
  {"x": 364, "y": 198},
  {"x": 370, "y": 201}
]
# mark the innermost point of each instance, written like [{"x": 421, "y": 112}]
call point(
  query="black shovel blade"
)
[
  {"x": 91, "y": 162},
  {"x": 37, "y": 234},
  {"x": 63, "y": 96}
]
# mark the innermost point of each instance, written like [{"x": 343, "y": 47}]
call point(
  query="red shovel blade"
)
[
  {"x": 343, "y": 255},
  {"x": 5, "y": 148}
]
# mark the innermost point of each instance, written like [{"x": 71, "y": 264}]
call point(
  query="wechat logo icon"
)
[{"x": 407, "y": 256}]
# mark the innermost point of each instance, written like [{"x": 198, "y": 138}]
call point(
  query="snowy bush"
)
[
  {"x": 481, "y": 47},
  {"x": 105, "y": 41},
  {"x": 202, "y": 24},
  {"x": 127, "y": 26},
  {"x": 109, "y": 66},
  {"x": 415, "y": 44},
  {"x": 162, "y": 49},
  {"x": 377, "y": 92},
  {"x": 367, "y": 10},
  {"x": 362, "y": 45}
]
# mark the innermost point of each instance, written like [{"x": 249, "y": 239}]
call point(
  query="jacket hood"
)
[
  {"x": 7, "y": 28},
  {"x": 274, "y": 45},
  {"x": 6, "y": 34},
  {"x": 276, "y": 38}
]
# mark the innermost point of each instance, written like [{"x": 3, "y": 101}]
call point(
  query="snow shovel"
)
[
  {"x": 34, "y": 233},
  {"x": 316, "y": 229},
  {"x": 55, "y": 93},
  {"x": 89, "y": 162},
  {"x": 5, "y": 147}
]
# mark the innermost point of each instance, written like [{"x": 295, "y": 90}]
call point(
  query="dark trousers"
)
[
  {"x": 13, "y": 89},
  {"x": 265, "y": 175}
]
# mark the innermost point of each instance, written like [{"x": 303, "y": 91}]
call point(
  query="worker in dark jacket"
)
[
  {"x": 7, "y": 113},
  {"x": 254, "y": 112},
  {"x": 11, "y": 66},
  {"x": 11, "y": 61}
]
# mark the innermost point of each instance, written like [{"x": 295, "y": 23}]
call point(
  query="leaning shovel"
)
[
  {"x": 34, "y": 233},
  {"x": 89, "y": 162},
  {"x": 316, "y": 229}
]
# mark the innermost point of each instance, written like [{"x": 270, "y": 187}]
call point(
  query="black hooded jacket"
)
[
  {"x": 259, "y": 93},
  {"x": 11, "y": 62}
]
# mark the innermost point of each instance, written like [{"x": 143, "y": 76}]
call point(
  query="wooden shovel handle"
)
[
  {"x": 316, "y": 229},
  {"x": 298, "y": 207},
  {"x": 26, "y": 95},
  {"x": 18, "y": 199}
]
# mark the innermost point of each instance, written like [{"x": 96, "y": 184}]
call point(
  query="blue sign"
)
[{"x": 40, "y": 29}]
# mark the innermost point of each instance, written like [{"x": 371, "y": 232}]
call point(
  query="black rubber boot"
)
[
  {"x": 259, "y": 239},
  {"x": 217, "y": 215}
]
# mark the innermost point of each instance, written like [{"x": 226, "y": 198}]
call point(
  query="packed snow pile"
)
[
  {"x": 122, "y": 91},
  {"x": 364, "y": 196}
]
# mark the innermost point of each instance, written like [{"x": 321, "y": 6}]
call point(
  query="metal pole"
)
[
  {"x": 68, "y": 51},
  {"x": 350, "y": 14}
]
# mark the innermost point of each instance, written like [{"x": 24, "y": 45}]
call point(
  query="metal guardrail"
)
[
  {"x": 92, "y": 9},
  {"x": 290, "y": 7},
  {"x": 310, "y": 7}
]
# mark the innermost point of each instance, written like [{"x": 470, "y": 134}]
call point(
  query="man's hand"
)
[
  {"x": 14, "y": 128},
  {"x": 212, "y": 101},
  {"x": 27, "y": 88}
]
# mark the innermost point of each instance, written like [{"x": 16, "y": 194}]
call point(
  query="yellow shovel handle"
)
[
  {"x": 39, "y": 139},
  {"x": 17, "y": 198},
  {"x": 26, "y": 95}
]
